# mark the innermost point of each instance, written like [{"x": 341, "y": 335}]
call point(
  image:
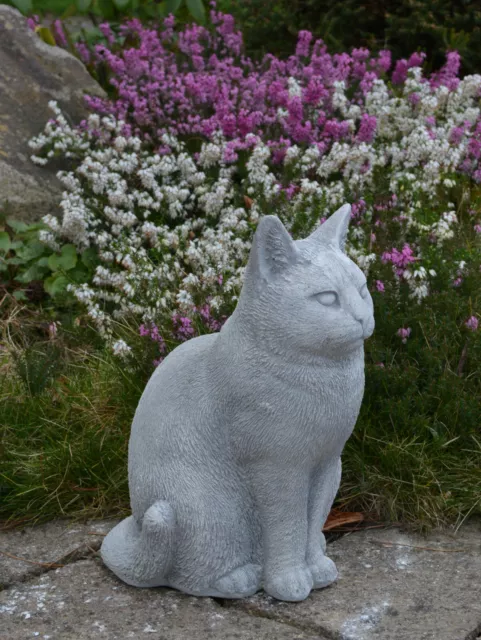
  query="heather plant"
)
[
  {"x": 170, "y": 174},
  {"x": 403, "y": 26}
]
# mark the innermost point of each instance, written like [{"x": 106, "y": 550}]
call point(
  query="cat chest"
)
[
  {"x": 326, "y": 407},
  {"x": 304, "y": 416}
]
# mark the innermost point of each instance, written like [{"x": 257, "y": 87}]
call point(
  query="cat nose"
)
[{"x": 358, "y": 312}]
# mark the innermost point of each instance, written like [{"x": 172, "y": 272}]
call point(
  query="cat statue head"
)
[{"x": 305, "y": 296}]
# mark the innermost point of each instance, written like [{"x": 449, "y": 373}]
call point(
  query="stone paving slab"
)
[
  {"x": 58, "y": 541},
  {"x": 84, "y": 601},
  {"x": 392, "y": 586},
  {"x": 393, "y": 592}
]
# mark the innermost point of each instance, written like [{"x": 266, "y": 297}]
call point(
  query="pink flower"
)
[
  {"x": 358, "y": 208},
  {"x": 367, "y": 128},
  {"x": 477, "y": 228},
  {"x": 404, "y": 334},
  {"x": 400, "y": 259},
  {"x": 472, "y": 323},
  {"x": 153, "y": 333},
  {"x": 303, "y": 43},
  {"x": 457, "y": 282},
  {"x": 144, "y": 331},
  {"x": 107, "y": 32},
  {"x": 380, "y": 286},
  {"x": 59, "y": 34},
  {"x": 33, "y": 22},
  {"x": 183, "y": 329}
]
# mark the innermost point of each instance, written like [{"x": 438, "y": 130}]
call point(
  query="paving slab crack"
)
[
  {"x": 319, "y": 630},
  {"x": 82, "y": 552}
]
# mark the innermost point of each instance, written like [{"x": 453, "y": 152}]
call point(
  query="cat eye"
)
[
  {"x": 327, "y": 298},
  {"x": 364, "y": 290}
]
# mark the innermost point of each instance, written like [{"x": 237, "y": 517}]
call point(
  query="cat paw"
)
[
  {"x": 240, "y": 583},
  {"x": 292, "y": 585},
  {"x": 323, "y": 571}
]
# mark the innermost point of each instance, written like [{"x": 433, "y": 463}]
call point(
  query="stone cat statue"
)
[{"x": 234, "y": 454}]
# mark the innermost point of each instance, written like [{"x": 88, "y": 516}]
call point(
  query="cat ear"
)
[
  {"x": 335, "y": 228},
  {"x": 273, "y": 250}
]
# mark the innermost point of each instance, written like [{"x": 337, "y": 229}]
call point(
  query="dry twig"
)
[{"x": 50, "y": 565}]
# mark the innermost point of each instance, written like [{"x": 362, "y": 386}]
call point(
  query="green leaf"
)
[
  {"x": 35, "y": 272},
  {"x": 55, "y": 285},
  {"x": 89, "y": 258},
  {"x": 25, "y": 6},
  {"x": 196, "y": 9},
  {"x": 68, "y": 257},
  {"x": 171, "y": 6},
  {"x": 83, "y": 5},
  {"x": 15, "y": 261},
  {"x": 4, "y": 241},
  {"x": 43, "y": 262},
  {"x": 121, "y": 4},
  {"x": 53, "y": 262},
  {"x": 30, "y": 251},
  {"x": 46, "y": 35},
  {"x": 17, "y": 225},
  {"x": 19, "y": 295},
  {"x": 65, "y": 261},
  {"x": 79, "y": 274}
]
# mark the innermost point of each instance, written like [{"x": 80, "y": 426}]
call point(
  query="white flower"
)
[{"x": 121, "y": 348}]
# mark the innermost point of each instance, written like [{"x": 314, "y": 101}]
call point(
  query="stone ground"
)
[{"x": 392, "y": 586}]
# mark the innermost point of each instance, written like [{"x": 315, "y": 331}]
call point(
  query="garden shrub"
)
[
  {"x": 30, "y": 270},
  {"x": 166, "y": 180},
  {"x": 403, "y": 27},
  {"x": 170, "y": 175}
]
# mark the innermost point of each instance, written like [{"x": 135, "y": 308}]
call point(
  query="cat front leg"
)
[
  {"x": 281, "y": 496},
  {"x": 324, "y": 486}
]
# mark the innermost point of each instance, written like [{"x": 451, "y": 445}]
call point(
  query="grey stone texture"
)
[
  {"x": 55, "y": 542},
  {"x": 234, "y": 452},
  {"x": 31, "y": 74},
  {"x": 83, "y": 601},
  {"x": 392, "y": 585}
]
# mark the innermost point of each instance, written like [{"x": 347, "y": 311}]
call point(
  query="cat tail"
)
[{"x": 142, "y": 556}]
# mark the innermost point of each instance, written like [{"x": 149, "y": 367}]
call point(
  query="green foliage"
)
[
  {"x": 402, "y": 27},
  {"x": 25, "y": 6},
  {"x": 415, "y": 454},
  {"x": 111, "y": 10},
  {"x": 25, "y": 260},
  {"x": 36, "y": 365},
  {"x": 63, "y": 450}
]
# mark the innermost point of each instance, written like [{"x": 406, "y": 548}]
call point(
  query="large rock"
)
[{"x": 31, "y": 74}]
